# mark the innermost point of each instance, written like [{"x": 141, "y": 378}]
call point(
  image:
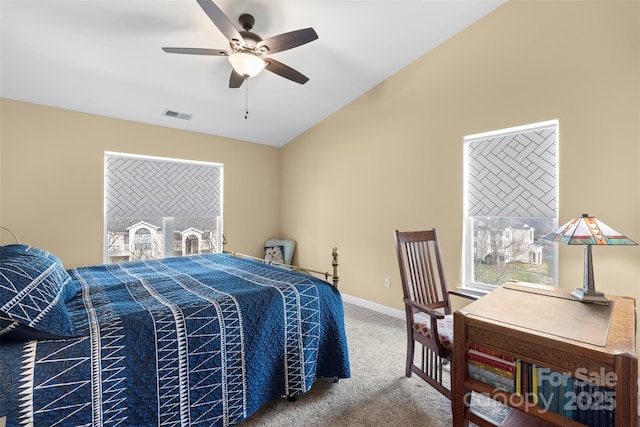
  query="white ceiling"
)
[{"x": 104, "y": 57}]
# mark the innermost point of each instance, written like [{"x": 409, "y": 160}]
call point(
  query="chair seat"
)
[{"x": 445, "y": 330}]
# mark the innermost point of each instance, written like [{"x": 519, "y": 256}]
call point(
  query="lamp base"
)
[{"x": 589, "y": 296}]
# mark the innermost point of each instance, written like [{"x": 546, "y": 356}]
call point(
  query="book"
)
[
  {"x": 518, "y": 379},
  {"x": 534, "y": 384},
  {"x": 491, "y": 360},
  {"x": 495, "y": 370},
  {"x": 543, "y": 392},
  {"x": 563, "y": 398},
  {"x": 579, "y": 390},
  {"x": 493, "y": 353},
  {"x": 547, "y": 393},
  {"x": 491, "y": 378},
  {"x": 525, "y": 378},
  {"x": 567, "y": 397}
]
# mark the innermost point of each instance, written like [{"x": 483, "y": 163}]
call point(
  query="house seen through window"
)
[
  {"x": 158, "y": 207},
  {"x": 510, "y": 203}
]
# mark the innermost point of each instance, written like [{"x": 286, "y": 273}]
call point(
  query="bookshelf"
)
[{"x": 546, "y": 327}]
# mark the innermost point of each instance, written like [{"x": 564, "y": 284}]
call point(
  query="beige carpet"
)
[{"x": 377, "y": 394}]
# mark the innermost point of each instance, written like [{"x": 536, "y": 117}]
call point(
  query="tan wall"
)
[
  {"x": 52, "y": 178},
  {"x": 393, "y": 158}
]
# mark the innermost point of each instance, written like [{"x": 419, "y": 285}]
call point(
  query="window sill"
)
[{"x": 476, "y": 289}]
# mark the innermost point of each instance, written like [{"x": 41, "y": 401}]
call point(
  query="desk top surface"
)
[{"x": 547, "y": 310}]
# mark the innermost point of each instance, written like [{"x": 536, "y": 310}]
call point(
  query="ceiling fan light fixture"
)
[{"x": 246, "y": 64}]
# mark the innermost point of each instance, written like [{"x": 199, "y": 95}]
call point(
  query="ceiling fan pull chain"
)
[{"x": 246, "y": 97}]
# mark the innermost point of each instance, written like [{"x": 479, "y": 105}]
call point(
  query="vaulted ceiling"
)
[{"x": 104, "y": 57}]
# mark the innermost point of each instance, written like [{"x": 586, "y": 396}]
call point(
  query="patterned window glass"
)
[
  {"x": 158, "y": 207},
  {"x": 511, "y": 201}
]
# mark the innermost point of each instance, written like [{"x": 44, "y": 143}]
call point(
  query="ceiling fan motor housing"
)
[
  {"x": 250, "y": 41},
  {"x": 247, "y": 48}
]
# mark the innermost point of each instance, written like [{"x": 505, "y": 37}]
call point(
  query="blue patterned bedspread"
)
[{"x": 204, "y": 340}]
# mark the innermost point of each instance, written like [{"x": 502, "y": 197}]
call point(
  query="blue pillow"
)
[
  {"x": 33, "y": 290},
  {"x": 20, "y": 249}
]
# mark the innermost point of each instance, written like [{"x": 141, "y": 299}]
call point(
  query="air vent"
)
[{"x": 177, "y": 115}]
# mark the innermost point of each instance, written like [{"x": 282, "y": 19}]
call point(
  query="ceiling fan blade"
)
[
  {"x": 288, "y": 40},
  {"x": 285, "y": 71},
  {"x": 220, "y": 20},
  {"x": 196, "y": 51},
  {"x": 235, "y": 80}
]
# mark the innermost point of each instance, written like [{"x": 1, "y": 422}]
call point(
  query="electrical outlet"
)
[{"x": 387, "y": 282}]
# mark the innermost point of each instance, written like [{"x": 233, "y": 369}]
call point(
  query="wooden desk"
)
[{"x": 544, "y": 326}]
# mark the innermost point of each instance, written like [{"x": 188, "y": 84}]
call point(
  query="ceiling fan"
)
[{"x": 248, "y": 48}]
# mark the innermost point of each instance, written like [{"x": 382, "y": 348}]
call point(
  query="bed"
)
[{"x": 201, "y": 340}]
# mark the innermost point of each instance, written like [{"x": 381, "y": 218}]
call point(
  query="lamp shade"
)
[
  {"x": 587, "y": 230},
  {"x": 246, "y": 64}
]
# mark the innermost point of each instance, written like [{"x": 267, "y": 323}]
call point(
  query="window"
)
[
  {"x": 157, "y": 207},
  {"x": 510, "y": 203}
]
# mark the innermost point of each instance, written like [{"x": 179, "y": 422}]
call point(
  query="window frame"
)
[
  {"x": 469, "y": 284},
  {"x": 167, "y": 249}
]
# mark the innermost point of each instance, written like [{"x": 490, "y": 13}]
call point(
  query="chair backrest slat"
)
[{"x": 421, "y": 268}]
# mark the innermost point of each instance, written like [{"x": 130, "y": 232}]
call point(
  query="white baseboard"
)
[{"x": 394, "y": 312}]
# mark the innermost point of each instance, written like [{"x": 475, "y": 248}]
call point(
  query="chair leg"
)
[
  {"x": 431, "y": 370},
  {"x": 411, "y": 347}
]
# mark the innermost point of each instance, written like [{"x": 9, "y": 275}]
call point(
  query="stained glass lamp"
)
[{"x": 587, "y": 230}]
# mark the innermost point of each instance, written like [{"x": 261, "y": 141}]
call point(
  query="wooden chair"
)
[{"x": 427, "y": 305}]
